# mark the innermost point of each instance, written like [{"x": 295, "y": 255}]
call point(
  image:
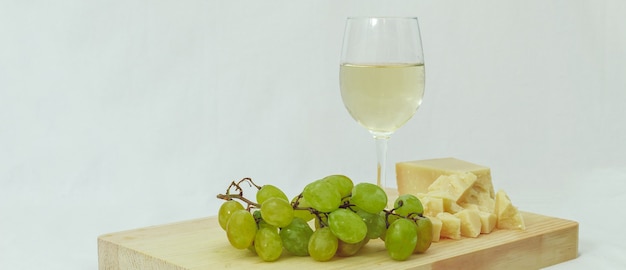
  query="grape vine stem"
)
[
  {"x": 229, "y": 197},
  {"x": 237, "y": 186}
]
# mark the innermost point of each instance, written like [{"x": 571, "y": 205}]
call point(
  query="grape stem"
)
[
  {"x": 229, "y": 197},
  {"x": 296, "y": 206},
  {"x": 411, "y": 216},
  {"x": 297, "y": 202},
  {"x": 236, "y": 185}
]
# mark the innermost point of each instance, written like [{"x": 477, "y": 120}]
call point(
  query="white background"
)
[{"x": 117, "y": 115}]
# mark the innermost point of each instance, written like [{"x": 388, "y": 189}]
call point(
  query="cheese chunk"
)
[
  {"x": 455, "y": 185},
  {"x": 436, "y": 228},
  {"x": 477, "y": 195},
  {"x": 451, "y": 225},
  {"x": 416, "y": 176},
  {"x": 432, "y": 205},
  {"x": 470, "y": 222},
  {"x": 508, "y": 215},
  {"x": 449, "y": 204},
  {"x": 488, "y": 220}
]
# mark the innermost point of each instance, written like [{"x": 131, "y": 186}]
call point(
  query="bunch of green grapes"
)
[
  {"x": 331, "y": 217},
  {"x": 408, "y": 231}
]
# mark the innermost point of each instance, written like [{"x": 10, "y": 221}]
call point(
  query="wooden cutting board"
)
[{"x": 202, "y": 244}]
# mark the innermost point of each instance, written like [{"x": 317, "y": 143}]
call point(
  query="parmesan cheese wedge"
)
[
  {"x": 415, "y": 177},
  {"x": 458, "y": 197}
]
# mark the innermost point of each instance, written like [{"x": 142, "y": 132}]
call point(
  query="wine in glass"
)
[{"x": 382, "y": 76}]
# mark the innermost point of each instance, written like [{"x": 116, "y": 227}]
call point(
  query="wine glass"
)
[{"x": 382, "y": 76}]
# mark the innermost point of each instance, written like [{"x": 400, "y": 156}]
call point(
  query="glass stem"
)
[{"x": 381, "y": 154}]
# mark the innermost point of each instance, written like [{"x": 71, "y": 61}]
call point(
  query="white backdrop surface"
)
[{"x": 117, "y": 115}]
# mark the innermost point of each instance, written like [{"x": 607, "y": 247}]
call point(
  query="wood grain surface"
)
[{"x": 202, "y": 244}]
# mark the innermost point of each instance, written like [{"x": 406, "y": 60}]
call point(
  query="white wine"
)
[{"x": 382, "y": 98}]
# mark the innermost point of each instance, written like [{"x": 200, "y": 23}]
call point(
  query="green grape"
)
[
  {"x": 424, "y": 234},
  {"x": 347, "y": 226},
  {"x": 383, "y": 233},
  {"x": 322, "y": 196},
  {"x": 369, "y": 197},
  {"x": 410, "y": 204},
  {"x": 296, "y": 237},
  {"x": 343, "y": 184},
  {"x": 375, "y": 223},
  {"x": 277, "y": 211},
  {"x": 263, "y": 224},
  {"x": 323, "y": 245},
  {"x": 268, "y": 244},
  {"x": 346, "y": 250},
  {"x": 257, "y": 215},
  {"x": 304, "y": 213},
  {"x": 226, "y": 210},
  {"x": 241, "y": 229},
  {"x": 260, "y": 222},
  {"x": 269, "y": 191},
  {"x": 401, "y": 239}
]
